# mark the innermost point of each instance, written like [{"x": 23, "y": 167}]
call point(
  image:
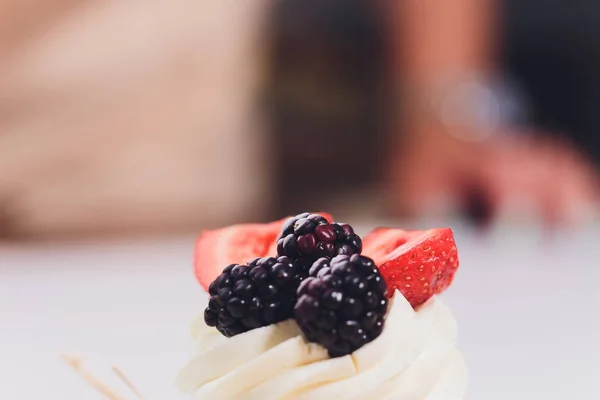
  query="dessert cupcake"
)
[{"x": 305, "y": 309}]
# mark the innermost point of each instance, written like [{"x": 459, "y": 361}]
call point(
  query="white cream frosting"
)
[{"x": 415, "y": 358}]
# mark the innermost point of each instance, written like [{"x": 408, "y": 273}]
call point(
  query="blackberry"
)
[
  {"x": 342, "y": 305},
  {"x": 260, "y": 293},
  {"x": 310, "y": 236}
]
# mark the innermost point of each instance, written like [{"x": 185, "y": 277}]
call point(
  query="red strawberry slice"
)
[
  {"x": 237, "y": 244},
  {"x": 420, "y": 264}
]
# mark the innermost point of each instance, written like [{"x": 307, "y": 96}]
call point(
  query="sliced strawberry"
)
[
  {"x": 237, "y": 244},
  {"x": 420, "y": 264}
]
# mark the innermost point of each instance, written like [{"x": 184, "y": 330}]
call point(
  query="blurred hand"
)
[
  {"x": 450, "y": 95},
  {"x": 515, "y": 177}
]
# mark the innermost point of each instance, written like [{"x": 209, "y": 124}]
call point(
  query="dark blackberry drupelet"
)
[
  {"x": 310, "y": 236},
  {"x": 260, "y": 293},
  {"x": 342, "y": 305}
]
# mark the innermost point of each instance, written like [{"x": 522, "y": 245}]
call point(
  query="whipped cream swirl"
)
[{"x": 415, "y": 358}]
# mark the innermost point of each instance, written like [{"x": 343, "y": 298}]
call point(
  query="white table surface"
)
[{"x": 528, "y": 309}]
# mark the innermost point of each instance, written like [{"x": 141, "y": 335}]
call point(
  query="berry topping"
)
[
  {"x": 312, "y": 236},
  {"x": 420, "y": 264},
  {"x": 342, "y": 304},
  {"x": 260, "y": 293},
  {"x": 234, "y": 244}
]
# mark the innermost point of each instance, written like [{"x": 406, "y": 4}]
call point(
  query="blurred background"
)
[
  {"x": 136, "y": 117},
  {"x": 127, "y": 126}
]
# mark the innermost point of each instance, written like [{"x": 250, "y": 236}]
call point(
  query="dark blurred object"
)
[
  {"x": 326, "y": 98},
  {"x": 552, "y": 49},
  {"x": 440, "y": 129}
]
